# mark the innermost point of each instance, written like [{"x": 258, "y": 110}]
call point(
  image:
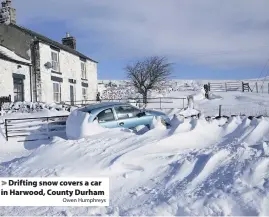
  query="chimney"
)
[
  {"x": 4, "y": 4},
  {"x": 7, "y": 13},
  {"x": 69, "y": 41}
]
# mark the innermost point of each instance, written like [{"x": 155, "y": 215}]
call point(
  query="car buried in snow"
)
[{"x": 115, "y": 114}]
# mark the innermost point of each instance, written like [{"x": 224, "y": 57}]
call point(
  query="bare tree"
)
[{"x": 149, "y": 74}]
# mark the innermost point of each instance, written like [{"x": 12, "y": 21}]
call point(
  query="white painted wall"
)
[
  {"x": 7, "y": 68},
  {"x": 70, "y": 67},
  {"x": 92, "y": 69}
]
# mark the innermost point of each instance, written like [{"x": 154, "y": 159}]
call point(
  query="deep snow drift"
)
[
  {"x": 220, "y": 167},
  {"x": 195, "y": 168}
]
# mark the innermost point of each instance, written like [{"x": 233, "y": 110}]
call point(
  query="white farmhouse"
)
[
  {"x": 14, "y": 76},
  {"x": 50, "y": 71}
]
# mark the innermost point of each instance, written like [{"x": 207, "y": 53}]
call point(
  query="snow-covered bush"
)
[{"x": 29, "y": 107}]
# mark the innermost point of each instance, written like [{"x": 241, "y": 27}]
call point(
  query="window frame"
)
[
  {"x": 114, "y": 117},
  {"x": 59, "y": 92},
  {"x": 83, "y": 95},
  {"x": 83, "y": 70},
  {"x": 57, "y": 62}
]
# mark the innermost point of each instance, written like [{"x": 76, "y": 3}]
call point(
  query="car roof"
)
[{"x": 102, "y": 105}]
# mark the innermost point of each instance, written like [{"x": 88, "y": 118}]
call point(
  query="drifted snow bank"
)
[
  {"x": 189, "y": 112},
  {"x": 157, "y": 124},
  {"x": 194, "y": 168},
  {"x": 78, "y": 126}
]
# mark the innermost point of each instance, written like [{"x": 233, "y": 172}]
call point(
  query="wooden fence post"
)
[
  {"x": 256, "y": 84},
  {"x": 6, "y": 129},
  {"x": 160, "y": 102},
  {"x": 219, "y": 110},
  {"x": 48, "y": 132}
]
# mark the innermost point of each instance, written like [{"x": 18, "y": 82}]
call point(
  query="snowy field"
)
[
  {"x": 233, "y": 103},
  {"x": 197, "y": 167}
]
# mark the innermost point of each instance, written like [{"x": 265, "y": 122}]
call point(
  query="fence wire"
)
[{"x": 229, "y": 110}]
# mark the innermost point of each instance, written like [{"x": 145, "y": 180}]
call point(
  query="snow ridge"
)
[{"x": 195, "y": 168}]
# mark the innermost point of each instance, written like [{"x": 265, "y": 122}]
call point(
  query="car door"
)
[
  {"x": 127, "y": 116},
  {"x": 106, "y": 118}
]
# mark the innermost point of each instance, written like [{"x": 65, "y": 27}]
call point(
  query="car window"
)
[
  {"x": 105, "y": 116},
  {"x": 124, "y": 112}
]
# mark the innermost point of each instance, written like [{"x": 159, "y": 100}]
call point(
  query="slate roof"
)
[
  {"x": 51, "y": 42},
  {"x": 7, "y": 54}
]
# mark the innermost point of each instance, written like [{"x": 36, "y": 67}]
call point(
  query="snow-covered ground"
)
[
  {"x": 197, "y": 167},
  {"x": 233, "y": 103}
]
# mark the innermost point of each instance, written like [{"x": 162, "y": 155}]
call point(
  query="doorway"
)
[
  {"x": 18, "y": 90},
  {"x": 72, "y": 94}
]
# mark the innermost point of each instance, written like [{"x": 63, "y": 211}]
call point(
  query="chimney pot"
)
[
  {"x": 8, "y": 3},
  {"x": 7, "y": 13}
]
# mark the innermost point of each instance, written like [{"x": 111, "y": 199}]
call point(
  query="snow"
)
[
  {"x": 196, "y": 167},
  {"x": 189, "y": 112},
  {"x": 233, "y": 103},
  {"x": 78, "y": 126},
  {"x": 8, "y": 53},
  {"x": 157, "y": 123}
]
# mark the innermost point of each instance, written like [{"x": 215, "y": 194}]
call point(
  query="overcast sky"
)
[{"x": 205, "y": 39}]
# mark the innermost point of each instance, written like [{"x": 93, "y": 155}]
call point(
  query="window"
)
[
  {"x": 84, "y": 93},
  {"x": 18, "y": 90},
  {"x": 83, "y": 70},
  {"x": 124, "y": 112},
  {"x": 105, "y": 116},
  {"x": 57, "y": 92},
  {"x": 55, "y": 61}
]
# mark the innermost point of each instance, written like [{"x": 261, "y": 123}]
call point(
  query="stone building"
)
[{"x": 57, "y": 72}]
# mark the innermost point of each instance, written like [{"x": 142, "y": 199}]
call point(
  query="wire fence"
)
[
  {"x": 152, "y": 103},
  {"x": 231, "y": 110}
]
